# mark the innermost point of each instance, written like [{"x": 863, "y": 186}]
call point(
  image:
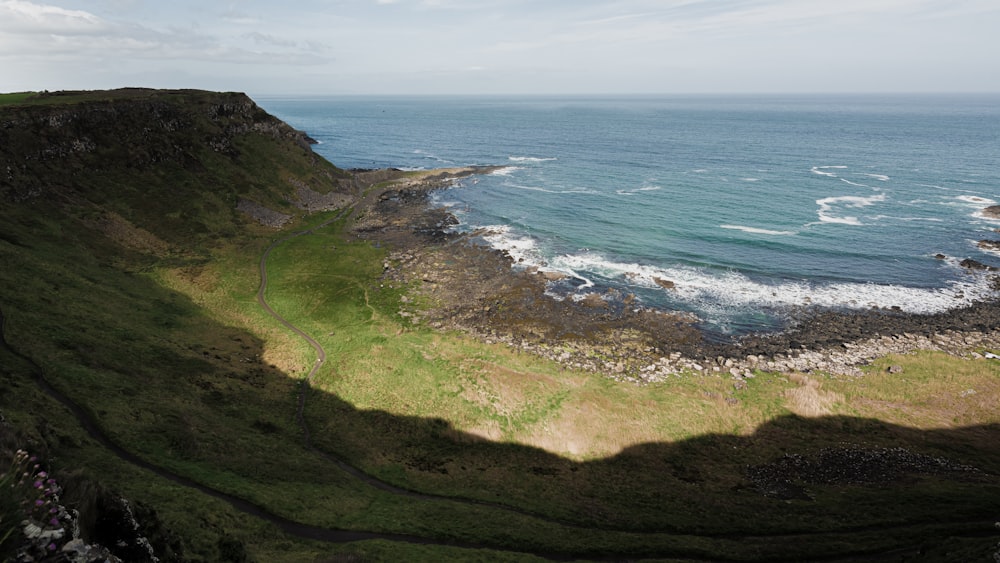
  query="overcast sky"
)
[{"x": 502, "y": 46}]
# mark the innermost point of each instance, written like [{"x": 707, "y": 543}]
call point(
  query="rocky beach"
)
[{"x": 455, "y": 281}]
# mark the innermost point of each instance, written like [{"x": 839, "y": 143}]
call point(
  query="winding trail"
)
[
  {"x": 288, "y": 526},
  {"x": 306, "y": 385}
]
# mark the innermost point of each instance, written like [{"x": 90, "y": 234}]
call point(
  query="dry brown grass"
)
[
  {"x": 934, "y": 390},
  {"x": 120, "y": 230},
  {"x": 809, "y": 399}
]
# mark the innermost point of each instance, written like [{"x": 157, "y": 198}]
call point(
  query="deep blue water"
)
[{"x": 751, "y": 205}]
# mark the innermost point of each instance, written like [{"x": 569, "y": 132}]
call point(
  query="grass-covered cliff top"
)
[
  {"x": 80, "y": 96},
  {"x": 131, "y": 242}
]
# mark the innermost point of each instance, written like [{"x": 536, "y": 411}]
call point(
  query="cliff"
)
[{"x": 149, "y": 154}]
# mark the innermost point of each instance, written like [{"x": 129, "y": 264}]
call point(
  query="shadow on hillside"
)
[{"x": 847, "y": 484}]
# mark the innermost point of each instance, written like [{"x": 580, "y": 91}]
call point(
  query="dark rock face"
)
[
  {"x": 971, "y": 264},
  {"x": 992, "y": 211},
  {"x": 41, "y": 145},
  {"x": 990, "y": 245}
]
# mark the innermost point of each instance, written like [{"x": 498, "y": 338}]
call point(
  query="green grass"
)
[
  {"x": 15, "y": 97},
  {"x": 166, "y": 347}
]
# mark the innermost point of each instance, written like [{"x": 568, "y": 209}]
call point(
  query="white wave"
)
[
  {"x": 750, "y": 179},
  {"x": 822, "y": 170},
  {"x": 431, "y": 156},
  {"x": 587, "y": 283},
  {"x": 699, "y": 171},
  {"x": 548, "y": 191},
  {"x": 827, "y": 204},
  {"x": 755, "y": 230},
  {"x": 530, "y": 159},
  {"x": 729, "y": 291},
  {"x": 522, "y": 248},
  {"x": 990, "y": 251},
  {"x": 505, "y": 171},
  {"x": 908, "y": 219},
  {"x": 977, "y": 200},
  {"x": 879, "y": 177},
  {"x": 854, "y": 183},
  {"x": 638, "y": 190}
]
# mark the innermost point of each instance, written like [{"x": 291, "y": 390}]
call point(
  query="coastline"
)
[{"x": 462, "y": 284}]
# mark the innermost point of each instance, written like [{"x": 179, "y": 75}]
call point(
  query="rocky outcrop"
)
[
  {"x": 993, "y": 212},
  {"x": 312, "y": 201},
  {"x": 263, "y": 215},
  {"x": 991, "y": 245},
  {"x": 971, "y": 264},
  {"x": 665, "y": 284},
  {"x": 42, "y": 144}
]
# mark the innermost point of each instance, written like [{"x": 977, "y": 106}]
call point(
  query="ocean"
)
[{"x": 753, "y": 206}]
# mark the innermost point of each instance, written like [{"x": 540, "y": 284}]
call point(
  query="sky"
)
[{"x": 549, "y": 47}]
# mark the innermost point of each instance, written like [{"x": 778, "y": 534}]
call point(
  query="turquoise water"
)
[{"x": 753, "y": 206}]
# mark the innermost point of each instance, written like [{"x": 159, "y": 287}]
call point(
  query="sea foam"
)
[
  {"x": 757, "y": 231},
  {"x": 530, "y": 159},
  {"x": 827, "y": 205},
  {"x": 729, "y": 292}
]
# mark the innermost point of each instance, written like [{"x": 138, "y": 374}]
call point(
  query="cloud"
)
[
  {"x": 23, "y": 18},
  {"x": 32, "y": 31}
]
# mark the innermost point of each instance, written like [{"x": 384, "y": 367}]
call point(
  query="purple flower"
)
[
  {"x": 39, "y": 484},
  {"x": 52, "y": 546},
  {"x": 42, "y": 474},
  {"x": 39, "y": 502},
  {"x": 53, "y": 510},
  {"x": 54, "y": 522}
]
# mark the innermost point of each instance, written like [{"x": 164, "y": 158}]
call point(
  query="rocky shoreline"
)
[{"x": 463, "y": 284}]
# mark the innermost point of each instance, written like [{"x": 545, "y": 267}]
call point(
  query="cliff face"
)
[{"x": 152, "y": 152}]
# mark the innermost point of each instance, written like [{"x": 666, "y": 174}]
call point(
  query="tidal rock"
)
[
  {"x": 990, "y": 245},
  {"x": 552, "y": 276},
  {"x": 992, "y": 211},
  {"x": 665, "y": 284},
  {"x": 971, "y": 264}
]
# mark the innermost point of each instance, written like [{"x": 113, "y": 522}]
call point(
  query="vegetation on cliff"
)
[{"x": 138, "y": 364}]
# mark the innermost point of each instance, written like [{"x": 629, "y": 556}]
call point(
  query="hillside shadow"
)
[{"x": 795, "y": 489}]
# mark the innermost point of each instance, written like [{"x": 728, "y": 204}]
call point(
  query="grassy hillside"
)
[{"x": 129, "y": 285}]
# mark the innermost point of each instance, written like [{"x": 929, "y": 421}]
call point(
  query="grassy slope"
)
[{"x": 166, "y": 346}]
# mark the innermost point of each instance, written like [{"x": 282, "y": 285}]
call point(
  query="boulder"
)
[
  {"x": 990, "y": 245},
  {"x": 971, "y": 264},
  {"x": 552, "y": 276},
  {"x": 665, "y": 284},
  {"x": 992, "y": 212},
  {"x": 593, "y": 300}
]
